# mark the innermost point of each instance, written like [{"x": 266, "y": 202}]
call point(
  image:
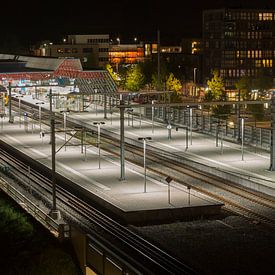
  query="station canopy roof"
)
[{"x": 15, "y": 67}]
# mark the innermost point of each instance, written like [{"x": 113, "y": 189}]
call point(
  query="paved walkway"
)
[
  {"x": 201, "y": 148},
  {"x": 105, "y": 182},
  {"x": 129, "y": 195}
]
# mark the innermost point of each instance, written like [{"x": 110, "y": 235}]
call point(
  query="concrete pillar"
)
[
  {"x": 122, "y": 152},
  {"x": 272, "y": 145}
]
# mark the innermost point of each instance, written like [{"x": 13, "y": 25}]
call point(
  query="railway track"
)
[
  {"x": 236, "y": 198},
  {"x": 136, "y": 249}
]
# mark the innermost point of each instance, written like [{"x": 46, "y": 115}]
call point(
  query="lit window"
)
[
  {"x": 258, "y": 63},
  {"x": 267, "y": 16}
]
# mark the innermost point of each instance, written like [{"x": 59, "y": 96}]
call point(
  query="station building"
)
[{"x": 33, "y": 72}]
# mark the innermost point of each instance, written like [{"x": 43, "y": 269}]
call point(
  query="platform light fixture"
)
[
  {"x": 144, "y": 159},
  {"x": 98, "y": 123}
]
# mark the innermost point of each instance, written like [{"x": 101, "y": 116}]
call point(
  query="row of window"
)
[
  {"x": 247, "y": 35},
  {"x": 239, "y": 73},
  {"x": 261, "y": 16},
  {"x": 265, "y": 63},
  {"x": 76, "y": 50},
  {"x": 249, "y": 54},
  {"x": 98, "y": 40}
]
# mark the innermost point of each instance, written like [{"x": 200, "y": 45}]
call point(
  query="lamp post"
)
[
  {"x": 190, "y": 123},
  {"x": 186, "y": 136},
  {"x": 54, "y": 213},
  {"x": 153, "y": 113},
  {"x": 19, "y": 106},
  {"x": 9, "y": 103},
  {"x": 242, "y": 127},
  {"x": 98, "y": 139},
  {"x": 39, "y": 103},
  {"x": 130, "y": 112},
  {"x": 65, "y": 113},
  {"x": 169, "y": 126},
  {"x": 144, "y": 158},
  {"x": 242, "y": 134},
  {"x": 194, "y": 75}
]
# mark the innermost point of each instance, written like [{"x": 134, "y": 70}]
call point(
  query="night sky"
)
[{"x": 32, "y": 21}]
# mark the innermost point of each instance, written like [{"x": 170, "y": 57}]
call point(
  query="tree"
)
[
  {"x": 134, "y": 79},
  {"x": 114, "y": 75},
  {"x": 216, "y": 85},
  {"x": 244, "y": 86},
  {"x": 173, "y": 84},
  {"x": 262, "y": 83},
  {"x": 257, "y": 111},
  {"x": 216, "y": 92}
]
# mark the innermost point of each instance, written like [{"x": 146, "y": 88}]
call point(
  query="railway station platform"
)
[
  {"x": 229, "y": 160},
  {"x": 125, "y": 198}
]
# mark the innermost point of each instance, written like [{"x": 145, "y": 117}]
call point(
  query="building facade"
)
[
  {"x": 125, "y": 54},
  {"x": 92, "y": 50},
  {"x": 238, "y": 42}
]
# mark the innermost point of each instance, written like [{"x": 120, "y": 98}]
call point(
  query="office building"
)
[{"x": 238, "y": 42}]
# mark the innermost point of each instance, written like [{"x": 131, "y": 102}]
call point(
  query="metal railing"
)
[{"x": 60, "y": 230}]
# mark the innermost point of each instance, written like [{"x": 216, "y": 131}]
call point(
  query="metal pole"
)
[
  {"x": 272, "y": 145},
  {"x": 98, "y": 142},
  {"x": 65, "y": 134},
  {"x": 217, "y": 135},
  {"x": 222, "y": 141},
  {"x": 105, "y": 105},
  {"x": 51, "y": 110},
  {"x": 242, "y": 127},
  {"x": 53, "y": 163},
  {"x": 158, "y": 34},
  {"x": 191, "y": 124},
  {"x": 19, "y": 100},
  {"x": 239, "y": 115},
  {"x": 186, "y": 138},
  {"x": 169, "y": 191},
  {"x": 144, "y": 153},
  {"x": 85, "y": 148},
  {"x": 153, "y": 110},
  {"x": 9, "y": 98},
  {"x": 81, "y": 140},
  {"x": 122, "y": 152},
  {"x": 139, "y": 117},
  {"x": 39, "y": 117},
  {"x": 195, "y": 75}
]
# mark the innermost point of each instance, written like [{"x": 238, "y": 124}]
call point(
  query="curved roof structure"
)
[{"x": 43, "y": 68}]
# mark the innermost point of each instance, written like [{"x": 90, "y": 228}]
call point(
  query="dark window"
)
[{"x": 87, "y": 50}]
